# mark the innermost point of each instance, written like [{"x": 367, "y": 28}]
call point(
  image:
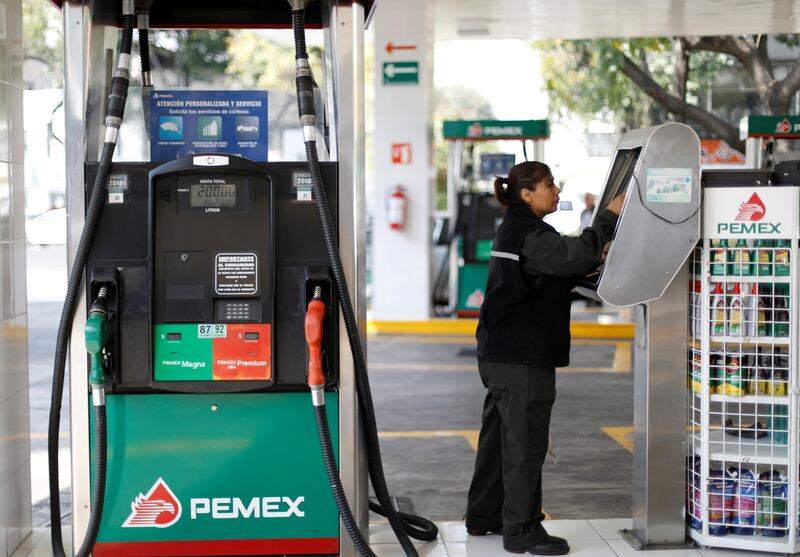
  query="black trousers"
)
[{"x": 506, "y": 489}]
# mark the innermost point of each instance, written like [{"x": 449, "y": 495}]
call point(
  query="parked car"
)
[{"x": 48, "y": 228}]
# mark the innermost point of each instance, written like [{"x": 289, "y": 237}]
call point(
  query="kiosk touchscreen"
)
[{"x": 659, "y": 171}]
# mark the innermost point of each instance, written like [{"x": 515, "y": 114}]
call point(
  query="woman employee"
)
[{"x": 523, "y": 335}]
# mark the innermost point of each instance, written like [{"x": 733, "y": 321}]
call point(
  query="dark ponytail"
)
[{"x": 524, "y": 175}]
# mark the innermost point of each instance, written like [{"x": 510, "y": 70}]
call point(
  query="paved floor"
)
[{"x": 587, "y": 538}]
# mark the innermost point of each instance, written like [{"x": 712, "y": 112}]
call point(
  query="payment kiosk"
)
[{"x": 659, "y": 170}]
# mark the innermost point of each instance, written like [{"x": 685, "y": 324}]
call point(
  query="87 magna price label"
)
[{"x": 212, "y": 330}]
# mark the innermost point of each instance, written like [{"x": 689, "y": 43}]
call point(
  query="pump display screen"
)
[{"x": 212, "y": 195}]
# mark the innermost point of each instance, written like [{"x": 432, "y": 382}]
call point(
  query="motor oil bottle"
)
[
  {"x": 695, "y": 380},
  {"x": 734, "y": 377},
  {"x": 718, "y": 313},
  {"x": 779, "y": 424},
  {"x": 718, "y": 256},
  {"x": 716, "y": 374},
  {"x": 741, "y": 259},
  {"x": 781, "y": 310},
  {"x": 763, "y": 257},
  {"x": 781, "y": 258},
  {"x": 743, "y": 516},
  {"x": 772, "y": 507},
  {"x": 755, "y": 314},
  {"x": 720, "y": 501},
  {"x": 694, "y": 492},
  {"x": 736, "y": 312}
]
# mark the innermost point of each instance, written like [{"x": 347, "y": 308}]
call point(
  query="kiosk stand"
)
[{"x": 659, "y": 170}]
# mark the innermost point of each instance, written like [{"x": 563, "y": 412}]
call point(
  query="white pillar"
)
[
  {"x": 401, "y": 266},
  {"x": 15, "y": 474}
]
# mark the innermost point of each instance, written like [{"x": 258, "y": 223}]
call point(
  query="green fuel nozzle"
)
[{"x": 96, "y": 338}]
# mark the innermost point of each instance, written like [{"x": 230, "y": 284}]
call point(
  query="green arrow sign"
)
[
  {"x": 400, "y": 73},
  {"x": 773, "y": 126}
]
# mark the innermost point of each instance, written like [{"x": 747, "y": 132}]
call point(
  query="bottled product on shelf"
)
[
  {"x": 717, "y": 373},
  {"x": 721, "y": 489},
  {"x": 782, "y": 248},
  {"x": 719, "y": 325},
  {"x": 781, "y": 311},
  {"x": 735, "y": 382},
  {"x": 743, "y": 515},
  {"x": 694, "y": 493},
  {"x": 756, "y": 320},
  {"x": 718, "y": 256},
  {"x": 779, "y": 424},
  {"x": 735, "y": 312},
  {"x": 741, "y": 258},
  {"x": 772, "y": 505},
  {"x": 763, "y": 257}
]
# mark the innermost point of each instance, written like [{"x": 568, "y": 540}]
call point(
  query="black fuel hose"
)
[
  {"x": 305, "y": 100},
  {"x": 115, "y": 113}
]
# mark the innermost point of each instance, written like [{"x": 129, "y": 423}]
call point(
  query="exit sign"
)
[{"x": 401, "y": 73}]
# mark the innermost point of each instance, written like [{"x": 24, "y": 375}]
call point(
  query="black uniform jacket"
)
[{"x": 525, "y": 315}]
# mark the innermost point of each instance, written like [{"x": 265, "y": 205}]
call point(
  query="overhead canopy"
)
[
  {"x": 213, "y": 13},
  {"x": 574, "y": 19}
]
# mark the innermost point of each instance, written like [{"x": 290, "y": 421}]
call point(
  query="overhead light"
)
[{"x": 473, "y": 27}]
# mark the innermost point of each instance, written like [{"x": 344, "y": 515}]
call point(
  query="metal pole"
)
[{"x": 660, "y": 419}]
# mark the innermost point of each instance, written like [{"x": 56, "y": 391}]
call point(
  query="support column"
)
[
  {"x": 401, "y": 259},
  {"x": 15, "y": 472}
]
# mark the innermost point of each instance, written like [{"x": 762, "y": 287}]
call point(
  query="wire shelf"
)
[{"x": 741, "y": 390}]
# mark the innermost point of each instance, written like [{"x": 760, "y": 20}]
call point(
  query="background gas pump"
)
[
  {"x": 200, "y": 274},
  {"x": 472, "y": 212}
]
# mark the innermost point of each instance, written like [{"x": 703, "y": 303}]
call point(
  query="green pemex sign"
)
[
  {"x": 773, "y": 126},
  {"x": 484, "y": 130}
]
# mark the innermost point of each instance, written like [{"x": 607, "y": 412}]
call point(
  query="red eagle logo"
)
[
  {"x": 158, "y": 509},
  {"x": 753, "y": 209},
  {"x": 783, "y": 127}
]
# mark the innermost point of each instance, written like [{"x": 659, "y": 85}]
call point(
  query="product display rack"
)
[{"x": 742, "y": 390}]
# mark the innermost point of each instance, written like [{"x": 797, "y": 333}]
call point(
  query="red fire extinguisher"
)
[{"x": 396, "y": 208}]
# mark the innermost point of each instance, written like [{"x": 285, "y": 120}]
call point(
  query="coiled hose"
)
[
  {"x": 306, "y": 109},
  {"x": 116, "y": 109}
]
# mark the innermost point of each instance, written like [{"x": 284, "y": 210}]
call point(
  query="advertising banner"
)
[{"x": 184, "y": 123}]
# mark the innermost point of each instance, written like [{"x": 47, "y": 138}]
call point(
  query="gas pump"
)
[
  {"x": 760, "y": 133},
  {"x": 214, "y": 289},
  {"x": 473, "y": 213}
]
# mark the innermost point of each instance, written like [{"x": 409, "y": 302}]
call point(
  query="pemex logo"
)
[
  {"x": 752, "y": 210},
  {"x": 783, "y": 127},
  {"x": 160, "y": 508},
  {"x": 475, "y": 130}
]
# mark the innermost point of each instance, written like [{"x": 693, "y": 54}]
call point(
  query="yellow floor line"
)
[
  {"x": 470, "y": 435},
  {"x": 579, "y": 329},
  {"x": 623, "y": 360},
  {"x": 622, "y": 435}
]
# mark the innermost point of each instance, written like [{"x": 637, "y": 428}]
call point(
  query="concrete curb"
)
[{"x": 579, "y": 329}]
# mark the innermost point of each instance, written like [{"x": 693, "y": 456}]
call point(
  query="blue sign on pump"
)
[
  {"x": 184, "y": 123},
  {"x": 496, "y": 164}
]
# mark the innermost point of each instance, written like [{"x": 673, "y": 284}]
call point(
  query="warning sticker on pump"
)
[
  {"x": 236, "y": 273},
  {"x": 669, "y": 185}
]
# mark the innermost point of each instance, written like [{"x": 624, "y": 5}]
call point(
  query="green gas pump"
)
[
  {"x": 472, "y": 212},
  {"x": 193, "y": 429}
]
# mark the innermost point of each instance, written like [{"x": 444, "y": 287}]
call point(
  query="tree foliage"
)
[
  {"x": 197, "y": 55},
  {"x": 42, "y": 37},
  {"x": 585, "y": 77},
  {"x": 608, "y": 77}
]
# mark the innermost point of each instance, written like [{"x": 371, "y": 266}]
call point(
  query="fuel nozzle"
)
[
  {"x": 315, "y": 317},
  {"x": 96, "y": 339}
]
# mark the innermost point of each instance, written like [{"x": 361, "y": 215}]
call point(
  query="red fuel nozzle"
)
[{"x": 315, "y": 315}]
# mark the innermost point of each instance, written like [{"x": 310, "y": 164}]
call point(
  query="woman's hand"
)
[{"x": 616, "y": 204}]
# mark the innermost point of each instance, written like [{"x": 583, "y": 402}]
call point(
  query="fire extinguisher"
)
[{"x": 396, "y": 208}]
